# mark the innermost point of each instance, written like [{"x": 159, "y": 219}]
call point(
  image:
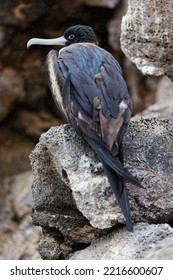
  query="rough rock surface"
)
[
  {"x": 163, "y": 250},
  {"x": 123, "y": 245},
  {"x": 147, "y": 36},
  {"x": 72, "y": 197}
]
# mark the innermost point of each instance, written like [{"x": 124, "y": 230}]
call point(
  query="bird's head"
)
[{"x": 74, "y": 34}]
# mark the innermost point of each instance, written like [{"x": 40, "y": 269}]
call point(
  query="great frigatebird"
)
[{"x": 87, "y": 86}]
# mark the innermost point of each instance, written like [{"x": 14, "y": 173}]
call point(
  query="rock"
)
[
  {"x": 123, "y": 245},
  {"x": 114, "y": 29},
  {"x": 5, "y": 34},
  {"x": 21, "y": 193},
  {"x": 18, "y": 238},
  {"x": 163, "y": 107},
  {"x": 21, "y": 14},
  {"x": 15, "y": 148},
  {"x": 51, "y": 181},
  {"x": 21, "y": 244},
  {"x": 162, "y": 250},
  {"x": 146, "y": 37},
  {"x": 148, "y": 154},
  {"x": 69, "y": 163},
  {"x": 164, "y": 91},
  {"x": 33, "y": 123},
  {"x": 35, "y": 83},
  {"x": 11, "y": 91},
  {"x": 52, "y": 248},
  {"x": 72, "y": 196}
]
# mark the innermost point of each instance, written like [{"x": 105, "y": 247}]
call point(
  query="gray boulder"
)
[
  {"x": 72, "y": 199},
  {"x": 146, "y": 37}
]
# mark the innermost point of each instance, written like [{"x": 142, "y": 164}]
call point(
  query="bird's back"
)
[
  {"x": 85, "y": 61},
  {"x": 87, "y": 57}
]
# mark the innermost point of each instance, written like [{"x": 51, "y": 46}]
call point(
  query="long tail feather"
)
[
  {"x": 114, "y": 162},
  {"x": 120, "y": 190},
  {"x": 117, "y": 175}
]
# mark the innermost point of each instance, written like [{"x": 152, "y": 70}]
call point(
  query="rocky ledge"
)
[{"x": 73, "y": 201}]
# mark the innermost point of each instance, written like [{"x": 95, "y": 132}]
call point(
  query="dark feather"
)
[
  {"x": 113, "y": 162},
  {"x": 120, "y": 190}
]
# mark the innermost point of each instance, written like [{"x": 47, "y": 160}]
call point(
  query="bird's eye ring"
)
[{"x": 71, "y": 36}]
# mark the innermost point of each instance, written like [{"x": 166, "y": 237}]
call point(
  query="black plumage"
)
[{"x": 87, "y": 86}]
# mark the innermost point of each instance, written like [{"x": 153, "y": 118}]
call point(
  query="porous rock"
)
[
  {"x": 148, "y": 150},
  {"x": 123, "y": 245},
  {"x": 72, "y": 195},
  {"x": 53, "y": 204},
  {"x": 147, "y": 36}
]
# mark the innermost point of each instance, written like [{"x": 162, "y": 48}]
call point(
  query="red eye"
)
[{"x": 71, "y": 36}]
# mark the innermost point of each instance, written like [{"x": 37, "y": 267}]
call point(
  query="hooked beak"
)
[{"x": 57, "y": 41}]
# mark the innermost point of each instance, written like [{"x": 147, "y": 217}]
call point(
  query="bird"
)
[{"x": 88, "y": 88}]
